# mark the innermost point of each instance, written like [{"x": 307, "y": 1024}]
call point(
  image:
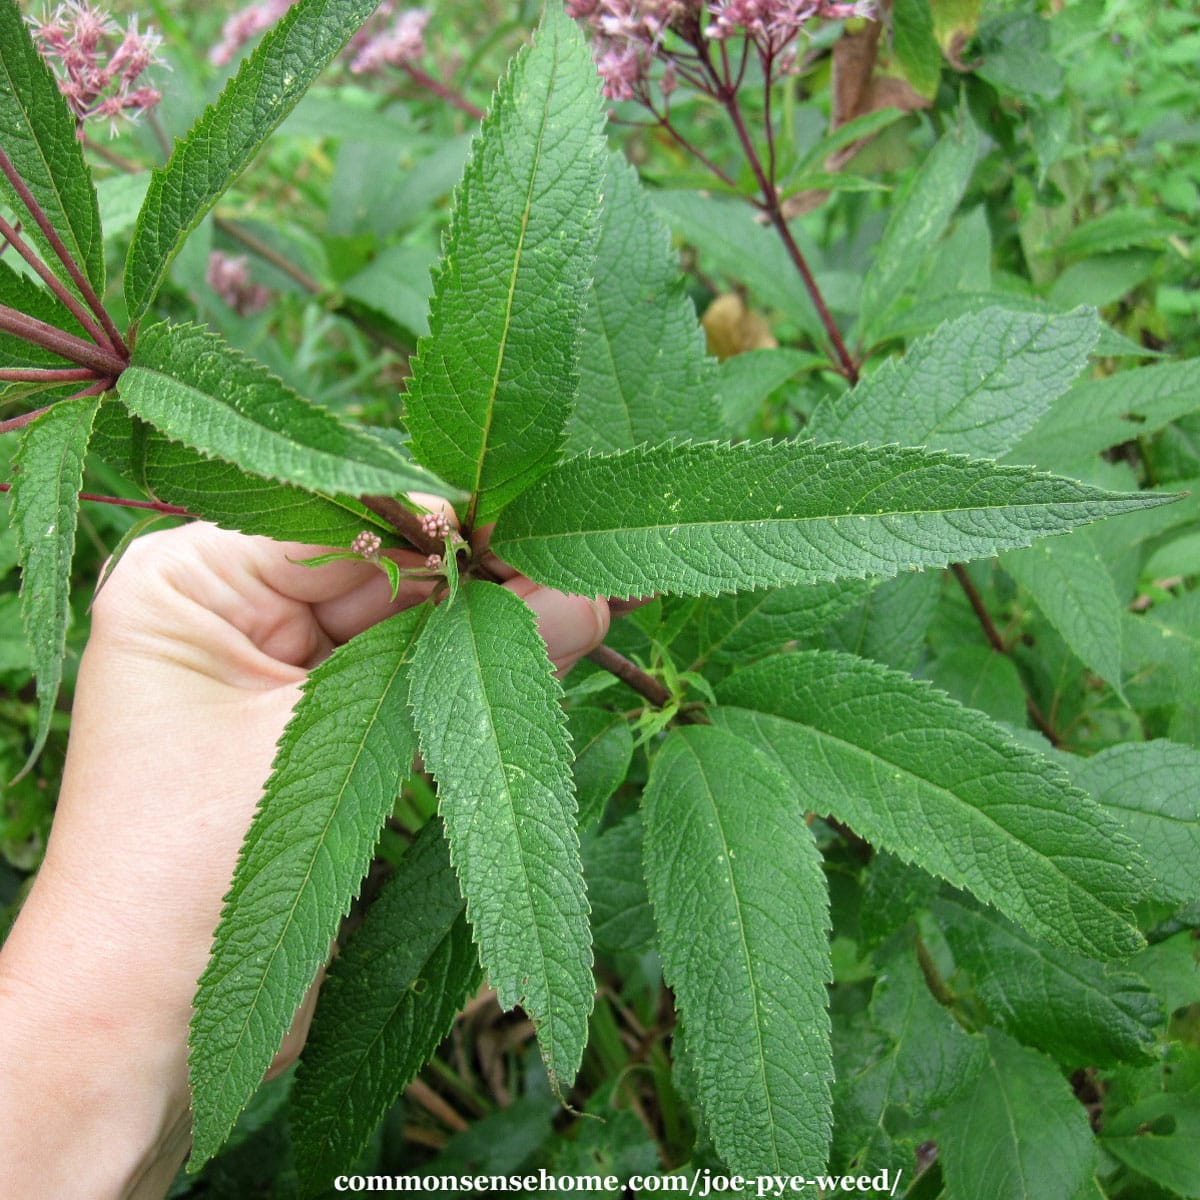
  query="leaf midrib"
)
[
  {"x": 874, "y": 756},
  {"x": 502, "y": 348},
  {"x": 252, "y": 1007},
  {"x": 754, "y": 1000}
]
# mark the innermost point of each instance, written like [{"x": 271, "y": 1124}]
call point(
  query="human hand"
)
[{"x": 200, "y": 642}]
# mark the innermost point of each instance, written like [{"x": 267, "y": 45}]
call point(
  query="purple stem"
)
[
  {"x": 101, "y": 359},
  {"x": 52, "y": 281},
  {"x": 113, "y": 336},
  {"x": 439, "y": 89},
  {"x": 170, "y": 510}
]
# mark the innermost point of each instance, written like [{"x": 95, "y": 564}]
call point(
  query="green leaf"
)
[
  {"x": 621, "y": 919},
  {"x": 979, "y": 677},
  {"x": 493, "y": 383},
  {"x": 1074, "y": 1008},
  {"x": 389, "y": 998},
  {"x": 1153, "y": 789},
  {"x": 746, "y": 380},
  {"x": 224, "y": 494},
  {"x": 1017, "y": 1133},
  {"x": 919, "y": 217},
  {"x": 340, "y": 764},
  {"x": 942, "y": 786},
  {"x": 727, "y": 233},
  {"x": 890, "y": 623},
  {"x": 197, "y": 390},
  {"x": 1075, "y": 590},
  {"x": 1159, "y": 1137},
  {"x": 739, "y": 898},
  {"x": 1100, "y": 413},
  {"x": 735, "y": 628},
  {"x": 929, "y": 1058},
  {"x": 226, "y": 137},
  {"x": 973, "y": 386},
  {"x": 915, "y": 47},
  {"x": 44, "y": 509},
  {"x": 710, "y": 518},
  {"x": 603, "y": 746},
  {"x": 487, "y": 709},
  {"x": 38, "y": 134},
  {"x": 1119, "y": 229},
  {"x": 643, "y": 375}
]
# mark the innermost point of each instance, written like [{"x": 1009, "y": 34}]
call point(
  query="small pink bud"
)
[
  {"x": 435, "y": 525},
  {"x": 433, "y": 562},
  {"x": 367, "y": 544}
]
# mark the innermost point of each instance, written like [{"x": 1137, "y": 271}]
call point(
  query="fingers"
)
[{"x": 571, "y": 626}]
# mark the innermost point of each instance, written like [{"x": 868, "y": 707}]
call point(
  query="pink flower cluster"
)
[
  {"x": 229, "y": 277},
  {"x": 435, "y": 525},
  {"x": 629, "y": 34},
  {"x": 245, "y": 24},
  {"x": 381, "y": 42},
  {"x": 97, "y": 64},
  {"x": 367, "y": 544}
]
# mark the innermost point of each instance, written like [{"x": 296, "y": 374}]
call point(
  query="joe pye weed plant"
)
[{"x": 738, "y": 755}]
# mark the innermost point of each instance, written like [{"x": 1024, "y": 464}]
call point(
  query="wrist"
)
[{"x": 93, "y": 1079}]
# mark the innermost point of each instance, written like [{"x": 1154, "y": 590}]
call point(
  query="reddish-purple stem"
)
[
  {"x": 169, "y": 510},
  {"x": 66, "y": 345},
  {"x": 438, "y": 88},
  {"x": 113, "y": 335},
  {"x": 15, "y": 423},
  {"x": 774, "y": 211},
  {"x": 45, "y": 374},
  {"x": 52, "y": 281}
]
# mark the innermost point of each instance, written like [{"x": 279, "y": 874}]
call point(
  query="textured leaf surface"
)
[
  {"x": 340, "y": 764},
  {"x": 492, "y": 733},
  {"x": 710, "y": 518},
  {"x": 1153, "y": 789},
  {"x": 1074, "y": 1008},
  {"x": 1159, "y": 1137},
  {"x": 890, "y": 624},
  {"x": 927, "y": 1059},
  {"x": 942, "y": 786},
  {"x": 603, "y": 745},
  {"x": 919, "y": 217},
  {"x": 746, "y": 380},
  {"x": 1105, "y": 412},
  {"x": 757, "y": 623},
  {"x": 740, "y": 902},
  {"x": 644, "y": 372},
  {"x": 1017, "y": 1133},
  {"x": 38, "y": 135},
  {"x": 621, "y": 917},
  {"x": 230, "y": 132},
  {"x": 44, "y": 510},
  {"x": 493, "y": 383},
  {"x": 192, "y": 386},
  {"x": 387, "y": 1001},
  {"x": 222, "y": 493},
  {"x": 1075, "y": 590},
  {"x": 974, "y": 386}
]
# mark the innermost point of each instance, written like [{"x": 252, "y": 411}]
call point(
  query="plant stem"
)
[
  {"x": 774, "y": 211},
  {"x": 101, "y": 359},
  {"x": 15, "y": 423},
  {"x": 998, "y": 644},
  {"x": 439, "y": 89},
  {"x": 113, "y": 336},
  {"x": 169, "y": 510},
  {"x": 45, "y": 374},
  {"x": 52, "y": 281},
  {"x": 268, "y": 254},
  {"x": 630, "y": 673}
]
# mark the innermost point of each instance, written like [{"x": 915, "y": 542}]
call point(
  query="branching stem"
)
[
  {"x": 168, "y": 510},
  {"x": 102, "y": 359},
  {"x": 113, "y": 338}
]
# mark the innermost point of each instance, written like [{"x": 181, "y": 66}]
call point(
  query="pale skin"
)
[{"x": 199, "y": 644}]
